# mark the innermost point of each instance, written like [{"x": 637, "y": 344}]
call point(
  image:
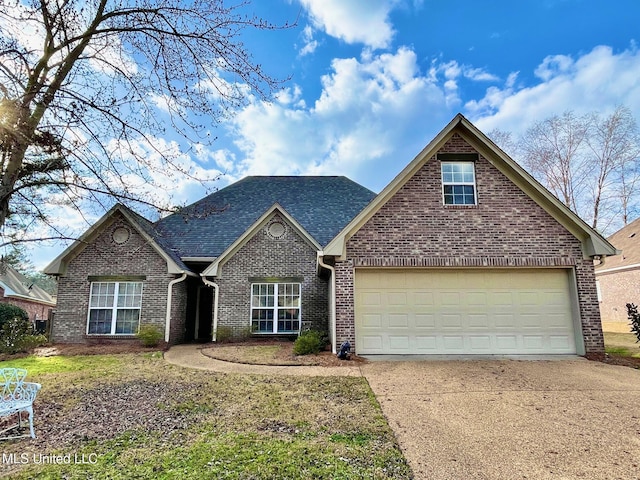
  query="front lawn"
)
[
  {"x": 622, "y": 344},
  {"x": 135, "y": 416}
]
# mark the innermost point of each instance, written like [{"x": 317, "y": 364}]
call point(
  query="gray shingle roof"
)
[
  {"x": 149, "y": 229},
  {"x": 321, "y": 205},
  {"x": 17, "y": 285}
]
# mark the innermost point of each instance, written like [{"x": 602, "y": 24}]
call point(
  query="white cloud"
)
[
  {"x": 310, "y": 44},
  {"x": 598, "y": 80},
  {"x": 452, "y": 72},
  {"x": 353, "y": 21},
  {"x": 552, "y": 66},
  {"x": 369, "y": 108}
]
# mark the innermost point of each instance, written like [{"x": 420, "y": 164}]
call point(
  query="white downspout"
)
[
  {"x": 215, "y": 306},
  {"x": 167, "y": 322},
  {"x": 332, "y": 301}
]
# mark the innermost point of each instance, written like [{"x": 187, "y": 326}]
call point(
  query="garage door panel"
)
[
  {"x": 453, "y": 343},
  {"x": 449, "y": 321},
  {"x": 479, "y": 321},
  {"x": 480, "y": 343},
  {"x": 463, "y": 311},
  {"x": 425, "y": 320},
  {"x": 559, "y": 342},
  {"x": 421, "y": 298},
  {"x": 426, "y": 344},
  {"x": 476, "y": 298},
  {"x": 371, "y": 299},
  {"x": 505, "y": 320},
  {"x": 501, "y": 298},
  {"x": 397, "y": 298},
  {"x": 449, "y": 299},
  {"x": 398, "y": 343},
  {"x": 399, "y": 320},
  {"x": 372, "y": 320},
  {"x": 506, "y": 343},
  {"x": 372, "y": 342},
  {"x": 533, "y": 343}
]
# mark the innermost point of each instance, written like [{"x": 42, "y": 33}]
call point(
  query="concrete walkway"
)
[{"x": 191, "y": 356}]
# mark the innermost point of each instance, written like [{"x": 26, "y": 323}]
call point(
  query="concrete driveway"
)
[{"x": 509, "y": 419}]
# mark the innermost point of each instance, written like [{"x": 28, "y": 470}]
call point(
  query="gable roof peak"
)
[{"x": 593, "y": 244}]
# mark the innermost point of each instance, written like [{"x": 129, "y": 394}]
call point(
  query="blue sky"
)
[{"x": 373, "y": 81}]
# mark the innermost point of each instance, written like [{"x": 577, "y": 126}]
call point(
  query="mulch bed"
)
[
  {"x": 284, "y": 356},
  {"x": 632, "y": 362}
]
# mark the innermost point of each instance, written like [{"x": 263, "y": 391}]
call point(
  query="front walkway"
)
[{"x": 191, "y": 356}]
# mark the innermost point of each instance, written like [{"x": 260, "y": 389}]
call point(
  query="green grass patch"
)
[
  {"x": 621, "y": 344},
  {"x": 135, "y": 416},
  {"x": 227, "y": 456},
  {"x": 59, "y": 364}
]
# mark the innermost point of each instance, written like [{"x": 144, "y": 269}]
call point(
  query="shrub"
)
[
  {"x": 17, "y": 335},
  {"x": 634, "y": 318},
  {"x": 149, "y": 335},
  {"x": 9, "y": 312},
  {"x": 308, "y": 342},
  {"x": 224, "y": 334}
]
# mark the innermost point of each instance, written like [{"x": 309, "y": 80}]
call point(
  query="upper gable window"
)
[{"x": 458, "y": 183}]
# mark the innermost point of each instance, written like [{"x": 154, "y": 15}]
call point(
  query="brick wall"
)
[
  {"x": 103, "y": 257},
  {"x": 617, "y": 289},
  {"x": 264, "y": 256},
  {"x": 36, "y": 311},
  {"x": 505, "y": 229}
]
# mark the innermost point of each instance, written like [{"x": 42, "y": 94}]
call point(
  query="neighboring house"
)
[
  {"x": 462, "y": 253},
  {"x": 18, "y": 290},
  {"x": 618, "y": 278}
]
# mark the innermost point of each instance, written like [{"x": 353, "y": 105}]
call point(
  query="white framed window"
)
[
  {"x": 114, "y": 308},
  {"x": 458, "y": 183},
  {"x": 275, "y": 307}
]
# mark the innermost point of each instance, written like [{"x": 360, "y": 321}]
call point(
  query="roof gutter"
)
[
  {"x": 332, "y": 300},
  {"x": 215, "y": 287},
  {"x": 617, "y": 269},
  {"x": 167, "y": 323}
]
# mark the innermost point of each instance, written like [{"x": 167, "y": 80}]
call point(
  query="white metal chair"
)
[{"x": 17, "y": 397}]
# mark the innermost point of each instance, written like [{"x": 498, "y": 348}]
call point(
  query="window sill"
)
[
  {"x": 461, "y": 207},
  {"x": 277, "y": 334},
  {"x": 108, "y": 335}
]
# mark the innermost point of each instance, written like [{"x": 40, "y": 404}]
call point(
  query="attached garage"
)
[{"x": 464, "y": 311}]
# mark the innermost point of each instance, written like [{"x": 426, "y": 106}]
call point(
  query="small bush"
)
[
  {"x": 149, "y": 335},
  {"x": 17, "y": 335},
  {"x": 634, "y": 318},
  {"x": 9, "y": 312},
  {"x": 224, "y": 334},
  {"x": 309, "y": 342}
]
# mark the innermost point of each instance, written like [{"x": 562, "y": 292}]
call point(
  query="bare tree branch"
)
[{"x": 78, "y": 113}]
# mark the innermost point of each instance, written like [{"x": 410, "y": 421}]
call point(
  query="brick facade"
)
[
  {"x": 616, "y": 290},
  {"x": 36, "y": 311},
  {"x": 505, "y": 229},
  {"x": 102, "y": 257},
  {"x": 266, "y": 257}
]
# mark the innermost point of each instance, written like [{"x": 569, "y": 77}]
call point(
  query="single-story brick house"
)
[
  {"x": 462, "y": 253},
  {"x": 18, "y": 290},
  {"x": 618, "y": 278}
]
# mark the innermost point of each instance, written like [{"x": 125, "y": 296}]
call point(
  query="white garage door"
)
[{"x": 525, "y": 311}]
